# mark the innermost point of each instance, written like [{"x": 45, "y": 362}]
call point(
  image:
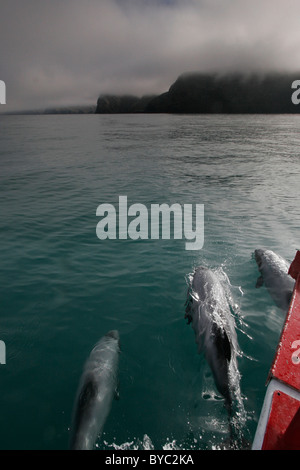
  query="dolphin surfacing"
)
[
  {"x": 95, "y": 393},
  {"x": 208, "y": 311},
  {"x": 274, "y": 274}
]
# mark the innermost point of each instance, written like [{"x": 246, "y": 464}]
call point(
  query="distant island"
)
[
  {"x": 201, "y": 93},
  {"x": 212, "y": 93},
  {"x": 58, "y": 110}
]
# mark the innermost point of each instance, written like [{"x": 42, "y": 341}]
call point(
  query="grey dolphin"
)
[
  {"x": 274, "y": 274},
  {"x": 95, "y": 393},
  {"x": 208, "y": 310}
]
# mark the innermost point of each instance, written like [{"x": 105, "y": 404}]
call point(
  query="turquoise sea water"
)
[{"x": 62, "y": 288}]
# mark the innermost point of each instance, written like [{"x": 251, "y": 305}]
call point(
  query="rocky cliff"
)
[
  {"x": 212, "y": 93},
  {"x": 110, "y": 104}
]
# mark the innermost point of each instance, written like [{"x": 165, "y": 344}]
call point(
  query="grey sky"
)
[{"x": 63, "y": 52}]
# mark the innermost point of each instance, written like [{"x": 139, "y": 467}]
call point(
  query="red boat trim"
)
[
  {"x": 282, "y": 432},
  {"x": 279, "y": 423},
  {"x": 274, "y": 427},
  {"x": 286, "y": 365},
  {"x": 294, "y": 270}
]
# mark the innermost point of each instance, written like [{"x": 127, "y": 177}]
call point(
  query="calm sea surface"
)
[{"x": 62, "y": 288}]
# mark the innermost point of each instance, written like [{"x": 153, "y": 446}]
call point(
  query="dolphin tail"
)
[{"x": 237, "y": 440}]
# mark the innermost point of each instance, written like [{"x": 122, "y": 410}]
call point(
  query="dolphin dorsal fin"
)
[
  {"x": 259, "y": 282},
  {"x": 117, "y": 391},
  {"x": 222, "y": 342}
]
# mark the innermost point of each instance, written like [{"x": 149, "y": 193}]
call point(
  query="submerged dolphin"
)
[
  {"x": 96, "y": 391},
  {"x": 208, "y": 310},
  {"x": 274, "y": 274}
]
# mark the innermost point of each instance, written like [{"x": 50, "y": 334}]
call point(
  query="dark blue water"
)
[{"x": 62, "y": 288}]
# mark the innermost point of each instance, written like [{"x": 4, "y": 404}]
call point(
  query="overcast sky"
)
[{"x": 63, "y": 52}]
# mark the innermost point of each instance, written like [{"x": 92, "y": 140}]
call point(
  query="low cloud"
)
[{"x": 56, "y": 53}]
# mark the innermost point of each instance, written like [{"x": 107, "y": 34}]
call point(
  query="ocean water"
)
[{"x": 62, "y": 288}]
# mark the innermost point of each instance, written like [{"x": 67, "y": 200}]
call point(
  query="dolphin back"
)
[
  {"x": 274, "y": 275},
  {"x": 208, "y": 311},
  {"x": 95, "y": 393}
]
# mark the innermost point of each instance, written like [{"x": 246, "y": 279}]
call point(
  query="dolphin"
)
[
  {"x": 96, "y": 391},
  {"x": 208, "y": 310},
  {"x": 274, "y": 274}
]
